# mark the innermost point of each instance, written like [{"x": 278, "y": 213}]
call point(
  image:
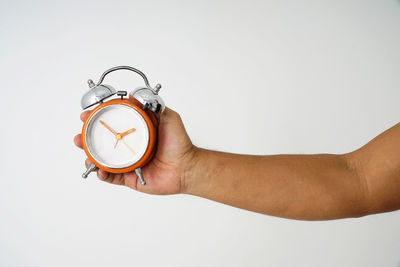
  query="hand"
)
[{"x": 174, "y": 158}]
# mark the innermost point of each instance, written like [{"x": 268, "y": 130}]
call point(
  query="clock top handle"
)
[{"x": 124, "y": 68}]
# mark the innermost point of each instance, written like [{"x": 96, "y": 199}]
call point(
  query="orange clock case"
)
[{"x": 152, "y": 124}]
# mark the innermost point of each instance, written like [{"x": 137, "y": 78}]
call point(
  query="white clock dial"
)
[{"x": 106, "y": 147}]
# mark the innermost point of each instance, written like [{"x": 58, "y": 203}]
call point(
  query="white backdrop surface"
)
[{"x": 296, "y": 76}]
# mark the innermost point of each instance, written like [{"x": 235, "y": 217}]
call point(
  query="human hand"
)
[{"x": 165, "y": 173}]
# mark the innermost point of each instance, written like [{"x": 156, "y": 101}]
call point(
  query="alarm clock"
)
[{"x": 120, "y": 133}]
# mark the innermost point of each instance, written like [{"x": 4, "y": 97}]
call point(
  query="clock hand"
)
[
  {"x": 122, "y": 140},
  {"x": 119, "y": 137},
  {"x": 116, "y": 143},
  {"x": 127, "y": 132},
  {"x": 109, "y": 128}
]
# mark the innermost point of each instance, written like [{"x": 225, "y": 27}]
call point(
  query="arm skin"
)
[{"x": 303, "y": 187}]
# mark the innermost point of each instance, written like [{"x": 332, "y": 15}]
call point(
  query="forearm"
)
[{"x": 306, "y": 187}]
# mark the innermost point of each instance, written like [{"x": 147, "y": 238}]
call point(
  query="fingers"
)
[
  {"x": 103, "y": 175},
  {"x": 131, "y": 180},
  {"x": 78, "y": 140},
  {"x": 167, "y": 111},
  {"x": 112, "y": 178},
  {"x": 85, "y": 114},
  {"x": 169, "y": 115},
  {"x": 78, "y": 137},
  {"x": 87, "y": 162}
]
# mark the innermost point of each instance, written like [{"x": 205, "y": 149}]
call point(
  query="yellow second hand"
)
[{"x": 122, "y": 140}]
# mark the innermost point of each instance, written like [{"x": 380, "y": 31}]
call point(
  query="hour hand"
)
[{"x": 128, "y": 132}]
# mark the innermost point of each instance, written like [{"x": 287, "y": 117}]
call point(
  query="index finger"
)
[{"x": 85, "y": 114}]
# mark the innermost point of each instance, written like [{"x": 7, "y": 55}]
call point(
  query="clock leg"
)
[
  {"x": 139, "y": 174},
  {"x": 91, "y": 168}
]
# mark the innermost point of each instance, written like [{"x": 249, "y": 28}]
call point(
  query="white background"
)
[{"x": 256, "y": 77}]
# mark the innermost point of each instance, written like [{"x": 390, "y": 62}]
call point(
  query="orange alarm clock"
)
[{"x": 120, "y": 133}]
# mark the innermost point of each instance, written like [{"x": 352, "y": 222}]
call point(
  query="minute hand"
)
[{"x": 108, "y": 127}]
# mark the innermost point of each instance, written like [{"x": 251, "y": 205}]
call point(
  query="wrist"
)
[{"x": 191, "y": 169}]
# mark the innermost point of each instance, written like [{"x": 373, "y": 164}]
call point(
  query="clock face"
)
[{"x": 117, "y": 136}]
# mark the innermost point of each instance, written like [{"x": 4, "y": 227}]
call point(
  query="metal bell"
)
[
  {"x": 149, "y": 98},
  {"x": 96, "y": 94}
]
